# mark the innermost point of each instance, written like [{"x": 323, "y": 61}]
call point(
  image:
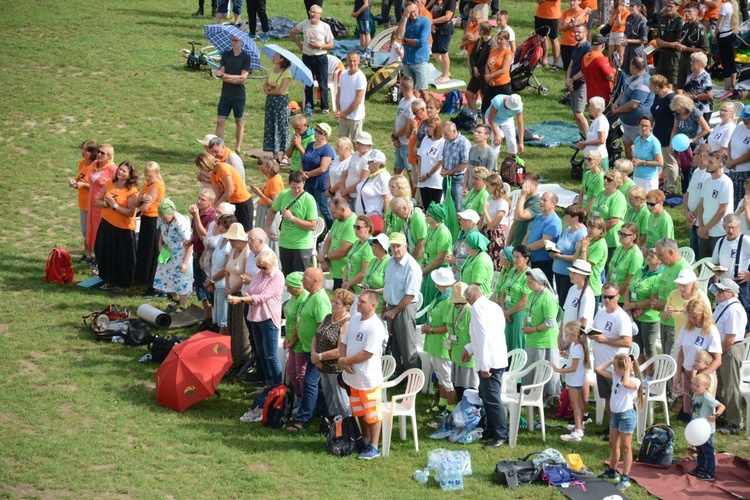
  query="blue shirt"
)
[
  {"x": 420, "y": 31},
  {"x": 550, "y": 225},
  {"x": 401, "y": 278},
  {"x": 311, "y": 160},
  {"x": 577, "y": 56},
  {"x": 646, "y": 150},
  {"x": 567, "y": 246},
  {"x": 636, "y": 89},
  {"x": 504, "y": 115}
]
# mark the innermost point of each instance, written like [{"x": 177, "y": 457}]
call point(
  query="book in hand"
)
[
  {"x": 590, "y": 330},
  {"x": 551, "y": 247},
  {"x": 716, "y": 269}
]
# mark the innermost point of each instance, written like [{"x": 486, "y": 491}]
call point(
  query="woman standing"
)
[
  {"x": 647, "y": 155},
  {"x": 315, "y": 162},
  {"x": 228, "y": 185},
  {"x": 690, "y": 122},
  {"x": 373, "y": 195},
  {"x": 610, "y": 204},
  {"x": 399, "y": 187},
  {"x": 726, "y": 28},
  {"x": 115, "y": 241},
  {"x": 437, "y": 244},
  {"x": 478, "y": 269},
  {"x": 174, "y": 272},
  {"x": 638, "y": 213},
  {"x": 580, "y": 302},
  {"x": 101, "y": 171},
  {"x": 477, "y": 64},
  {"x": 497, "y": 71},
  {"x": 688, "y": 289},
  {"x": 296, "y": 364},
  {"x": 478, "y": 195},
  {"x": 596, "y": 136},
  {"x": 89, "y": 150},
  {"x": 495, "y": 217},
  {"x": 340, "y": 164},
  {"x": 541, "y": 329},
  {"x": 442, "y": 28},
  {"x": 659, "y": 223},
  {"x": 514, "y": 297},
  {"x": 360, "y": 255},
  {"x": 276, "y": 87},
  {"x": 719, "y": 137},
  {"x": 593, "y": 249},
  {"x": 638, "y": 304},
  {"x": 635, "y": 35},
  {"x": 574, "y": 232},
  {"x": 430, "y": 162},
  {"x": 150, "y": 197},
  {"x": 504, "y": 269},
  {"x": 698, "y": 85},
  {"x": 271, "y": 189},
  {"x": 626, "y": 261},
  {"x": 215, "y": 271},
  {"x": 467, "y": 221},
  {"x": 236, "y": 261},
  {"x": 593, "y": 181},
  {"x": 374, "y": 278}
]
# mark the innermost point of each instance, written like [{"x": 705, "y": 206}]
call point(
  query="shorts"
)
[
  {"x": 441, "y": 43},
  {"x": 350, "y": 128},
  {"x": 442, "y": 369},
  {"x": 574, "y": 387},
  {"x": 630, "y": 132},
  {"x": 475, "y": 85},
  {"x": 623, "y": 422},
  {"x": 603, "y": 386},
  {"x": 367, "y": 403},
  {"x": 223, "y": 7},
  {"x": 401, "y": 161},
  {"x": 615, "y": 39},
  {"x": 550, "y": 23},
  {"x": 227, "y": 105},
  {"x": 363, "y": 25},
  {"x": 418, "y": 72},
  {"x": 578, "y": 99}
]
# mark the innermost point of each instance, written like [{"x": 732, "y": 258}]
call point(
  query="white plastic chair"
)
[
  {"x": 655, "y": 391},
  {"x": 703, "y": 273},
  {"x": 516, "y": 361},
  {"x": 635, "y": 350},
  {"x": 319, "y": 228},
  {"x": 283, "y": 356},
  {"x": 513, "y": 197},
  {"x": 507, "y": 188},
  {"x": 531, "y": 396},
  {"x": 688, "y": 254},
  {"x": 402, "y": 406},
  {"x": 388, "y": 364},
  {"x": 493, "y": 285}
]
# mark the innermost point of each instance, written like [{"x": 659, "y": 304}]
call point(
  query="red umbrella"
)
[{"x": 192, "y": 370}]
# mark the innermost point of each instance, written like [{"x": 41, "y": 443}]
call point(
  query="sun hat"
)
[
  {"x": 376, "y": 155},
  {"x": 324, "y": 127},
  {"x": 382, "y": 240},
  {"x": 581, "y": 266},
  {"x": 727, "y": 284},
  {"x": 364, "y": 138},
  {"x": 397, "y": 239},
  {"x": 443, "y": 276},
  {"x": 470, "y": 214},
  {"x": 236, "y": 232},
  {"x": 166, "y": 207},
  {"x": 686, "y": 276},
  {"x": 457, "y": 294},
  {"x": 206, "y": 139},
  {"x": 294, "y": 279},
  {"x": 513, "y": 102}
]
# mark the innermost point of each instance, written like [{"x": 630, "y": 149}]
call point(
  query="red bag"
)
[
  {"x": 564, "y": 410},
  {"x": 58, "y": 268}
]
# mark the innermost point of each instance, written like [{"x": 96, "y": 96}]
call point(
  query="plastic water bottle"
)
[
  {"x": 550, "y": 144},
  {"x": 422, "y": 475}
]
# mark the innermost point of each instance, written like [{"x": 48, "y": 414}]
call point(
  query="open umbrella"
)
[
  {"x": 220, "y": 35},
  {"x": 192, "y": 370},
  {"x": 386, "y": 76},
  {"x": 299, "y": 71}
]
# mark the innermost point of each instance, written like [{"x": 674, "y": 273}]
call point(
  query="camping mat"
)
[
  {"x": 91, "y": 282},
  {"x": 279, "y": 27},
  {"x": 563, "y": 133},
  {"x": 565, "y": 197},
  {"x": 192, "y": 316},
  {"x": 596, "y": 489},
  {"x": 674, "y": 483},
  {"x": 433, "y": 73},
  {"x": 342, "y": 47}
]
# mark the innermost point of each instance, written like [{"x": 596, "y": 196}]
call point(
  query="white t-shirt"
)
[
  {"x": 357, "y": 165},
  {"x": 496, "y": 206},
  {"x": 337, "y": 169},
  {"x": 365, "y": 335},
  {"x": 715, "y": 192},
  {"x": 743, "y": 220},
  {"x": 720, "y": 135},
  {"x": 571, "y": 309},
  {"x": 613, "y": 326},
  {"x": 726, "y": 25},
  {"x": 394, "y": 56},
  {"x": 578, "y": 377},
  {"x": 740, "y": 144},
  {"x": 371, "y": 192},
  {"x": 601, "y": 124},
  {"x": 320, "y": 33},
  {"x": 695, "y": 187},
  {"x": 692, "y": 341},
  {"x": 725, "y": 254},
  {"x": 348, "y": 86},
  {"x": 623, "y": 399},
  {"x": 510, "y": 32},
  {"x": 732, "y": 321},
  {"x": 403, "y": 113},
  {"x": 430, "y": 153}
]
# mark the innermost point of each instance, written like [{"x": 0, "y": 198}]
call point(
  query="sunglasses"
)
[
  {"x": 624, "y": 235},
  {"x": 609, "y": 297},
  {"x": 609, "y": 179},
  {"x": 101, "y": 153},
  {"x": 263, "y": 268},
  {"x": 358, "y": 227},
  {"x": 651, "y": 203},
  {"x": 588, "y": 159},
  {"x": 317, "y": 131},
  {"x": 617, "y": 386}
]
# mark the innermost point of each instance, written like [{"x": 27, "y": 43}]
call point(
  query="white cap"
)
[
  {"x": 686, "y": 276},
  {"x": 443, "y": 276},
  {"x": 376, "y": 155},
  {"x": 206, "y": 139},
  {"x": 470, "y": 214}
]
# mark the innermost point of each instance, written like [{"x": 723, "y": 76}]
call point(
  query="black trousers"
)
[
  {"x": 385, "y": 9},
  {"x": 318, "y": 66},
  {"x": 257, "y": 7},
  {"x": 244, "y": 213}
]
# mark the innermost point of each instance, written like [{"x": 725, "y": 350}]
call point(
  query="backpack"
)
[
  {"x": 58, "y": 268},
  {"x": 344, "y": 437},
  {"x": 564, "y": 409},
  {"x": 657, "y": 447},
  {"x": 161, "y": 346},
  {"x": 108, "y": 322},
  {"x": 465, "y": 120},
  {"x": 512, "y": 170},
  {"x": 338, "y": 30},
  {"x": 137, "y": 333},
  {"x": 452, "y": 103},
  {"x": 527, "y": 471},
  {"x": 277, "y": 409}
]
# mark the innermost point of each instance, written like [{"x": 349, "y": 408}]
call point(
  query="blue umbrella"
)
[
  {"x": 220, "y": 35},
  {"x": 300, "y": 72}
]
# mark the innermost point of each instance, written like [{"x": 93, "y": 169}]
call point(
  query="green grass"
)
[{"x": 79, "y": 418}]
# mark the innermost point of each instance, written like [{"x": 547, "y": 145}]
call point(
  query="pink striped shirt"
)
[{"x": 266, "y": 294}]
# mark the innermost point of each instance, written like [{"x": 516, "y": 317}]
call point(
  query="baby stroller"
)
[{"x": 527, "y": 57}]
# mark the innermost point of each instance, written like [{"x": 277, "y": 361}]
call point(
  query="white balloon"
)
[{"x": 698, "y": 431}]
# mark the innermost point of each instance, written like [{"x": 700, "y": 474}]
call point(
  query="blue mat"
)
[
  {"x": 342, "y": 47},
  {"x": 563, "y": 133},
  {"x": 91, "y": 282}
]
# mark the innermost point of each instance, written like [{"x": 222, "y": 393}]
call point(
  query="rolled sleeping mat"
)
[{"x": 154, "y": 316}]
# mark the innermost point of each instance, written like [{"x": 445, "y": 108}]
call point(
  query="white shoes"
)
[
  {"x": 253, "y": 415},
  {"x": 575, "y": 435}
]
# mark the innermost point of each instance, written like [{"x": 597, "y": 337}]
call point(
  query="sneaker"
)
[
  {"x": 705, "y": 476},
  {"x": 624, "y": 483},
  {"x": 253, "y": 415},
  {"x": 198, "y": 13},
  {"x": 461, "y": 53},
  {"x": 250, "y": 35},
  {"x": 729, "y": 430},
  {"x": 435, "y": 410},
  {"x": 308, "y": 112},
  {"x": 369, "y": 453},
  {"x": 264, "y": 37},
  {"x": 610, "y": 474},
  {"x": 325, "y": 111},
  {"x": 695, "y": 472},
  {"x": 572, "y": 427},
  {"x": 586, "y": 419},
  {"x": 84, "y": 260},
  {"x": 576, "y": 435}
]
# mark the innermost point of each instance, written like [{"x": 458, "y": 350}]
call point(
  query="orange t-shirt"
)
[
  {"x": 413, "y": 144},
  {"x": 240, "y": 192},
  {"x": 712, "y": 13},
  {"x": 624, "y": 13},
  {"x": 83, "y": 176},
  {"x": 495, "y": 62},
  {"x": 153, "y": 210},
  {"x": 121, "y": 196},
  {"x": 273, "y": 186},
  {"x": 591, "y": 4},
  {"x": 549, "y": 9},
  {"x": 471, "y": 29},
  {"x": 426, "y": 13},
  {"x": 568, "y": 38}
]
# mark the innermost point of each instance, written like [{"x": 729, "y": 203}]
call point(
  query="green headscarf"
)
[
  {"x": 508, "y": 253},
  {"x": 166, "y": 207},
  {"x": 437, "y": 212},
  {"x": 477, "y": 241},
  {"x": 294, "y": 279}
]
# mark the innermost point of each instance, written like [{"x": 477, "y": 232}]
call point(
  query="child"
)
[
  {"x": 362, "y": 14},
  {"x": 502, "y": 25},
  {"x": 626, "y": 383},
  {"x": 397, "y": 48},
  {"x": 702, "y": 361},
  {"x": 577, "y": 366},
  {"x": 471, "y": 33},
  {"x": 705, "y": 406}
]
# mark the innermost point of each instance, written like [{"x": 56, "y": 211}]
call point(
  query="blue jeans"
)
[
  {"x": 695, "y": 241},
  {"x": 489, "y": 391},
  {"x": 266, "y": 337},
  {"x": 310, "y": 389},
  {"x": 457, "y": 181},
  {"x": 322, "y": 201},
  {"x": 706, "y": 457}
]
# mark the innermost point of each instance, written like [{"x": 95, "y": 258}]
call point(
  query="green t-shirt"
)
[
  {"x": 641, "y": 288},
  {"x": 626, "y": 187},
  {"x": 458, "y": 329},
  {"x": 312, "y": 312},
  {"x": 500, "y": 285},
  {"x": 291, "y": 312},
  {"x": 515, "y": 287},
  {"x": 437, "y": 240},
  {"x": 341, "y": 231},
  {"x": 375, "y": 276},
  {"x": 666, "y": 284},
  {"x": 522, "y": 227},
  {"x": 623, "y": 263},
  {"x": 392, "y": 223},
  {"x": 291, "y": 236},
  {"x": 540, "y": 308},
  {"x": 609, "y": 207},
  {"x": 475, "y": 200},
  {"x": 597, "y": 257},
  {"x": 434, "y": 344},
  {"x": 480, "y": 270},
  {"x": 592, "y": 184},
  {"x": 307, "y": 138},
  {"x": 360, "y": 253},
  {"x": 416, "y": 229},
  {"x": 658, "y": 228},
  {"x": 639, "y": 218}
]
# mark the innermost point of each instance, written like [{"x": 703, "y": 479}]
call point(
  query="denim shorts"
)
[
  {"x": 576, "y": 387},
  {"x": 402, "y": 158},
  {"x": 441, "y": 43},
  {"x": 223, "y": 7},
  {"x": 623, "y": 422},
  {"x": 419, "y": 73},
  {"x": 363, "y": 25},
  {"x": 227, "y": 105}
]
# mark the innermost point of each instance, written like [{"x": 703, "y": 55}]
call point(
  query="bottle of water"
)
[
  {"x": 422, "y": 475},
  {"x": 550, "y": 144}
]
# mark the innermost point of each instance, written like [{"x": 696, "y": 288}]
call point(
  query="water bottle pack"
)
[{"x": 450, "y": 468}]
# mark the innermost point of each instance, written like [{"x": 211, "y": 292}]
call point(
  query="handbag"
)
[
  {"x": 606, "y": 29},
  {"x": 513, "y": 474},
  {"x": 137, "y": 333}
]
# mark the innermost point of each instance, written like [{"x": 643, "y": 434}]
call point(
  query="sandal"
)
[
  {"x": 553, "y": 68},
  {"x": 296, "y": 427}
]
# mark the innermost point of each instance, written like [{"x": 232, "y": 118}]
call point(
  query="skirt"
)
[
  {"x": 148, "y": 251},
  {"x": 497, "y": 244},
  {"x": 464, "y": 377},
  {"x": 115, "y": 252},
  {"x": 738, "y": 183},
  {"x": 514, "y": 337},
  {"x": 238, "y": 332},
  {"x": 260, "y": 221},
  {"x": 276, "y": 132}
]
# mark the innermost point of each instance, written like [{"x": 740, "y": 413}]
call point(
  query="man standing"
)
[
  {"x": 203, "y": 214},
  {"x": 502, "y": 110},
  {"x": 634, "y": 102},
  {"x": 415, "y": 29},
  {"x": 693, "y": 194},
  {"x": 669, "y": 255},
  {"x": 350, "y": 99},
  {"x": 339, "y": 240},
  {"x": 487, "y": 346},
  {"x": 402, "y": 130},
  {"x": 304, "y": 134},
  {"x": 362, "y": 371},
  {"x": 414, "y": 225},
  {"x": 731, "y": 321},
  {"x": 597, "y": 72},
  {"x": 218, "y": 149},
  {"x": 546, "y": 226},
  {"x": 299, "y": 216},
  {"x": 668, "y": 35},
  {"x": 235, "y": 66},
  {"x": 403, "y": 281},
  {"x": 733, "y": 253},
  {"x": 574, "y": 80},
  {"x": 317, "y": 41},
  {"x": 715, "y": 202},
  {"x": 692, "y": 39},
  {"x": 480, "y": 155},
  {"x": 547, "y": 15},
  {"x": 527, "y": 207},
  {"x": 455, "y": 161}
]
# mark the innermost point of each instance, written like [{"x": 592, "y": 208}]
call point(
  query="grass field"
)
[{"x": 79, "y": 418}]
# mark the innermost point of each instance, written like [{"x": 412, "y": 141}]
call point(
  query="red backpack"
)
[
  {"x": 564, "y": 410},
  {"x": 277, "y": 410},
  {"x": 58, "y": 268}
]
